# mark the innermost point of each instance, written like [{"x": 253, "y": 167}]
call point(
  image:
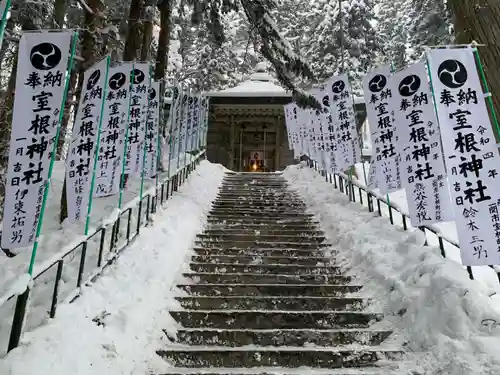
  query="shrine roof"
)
[{"x": 259, "y": 84}]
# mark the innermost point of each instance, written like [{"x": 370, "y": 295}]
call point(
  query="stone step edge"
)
[
  {"x": 360, "y": 299},
  {"x": 327, "y": 259},
  {"x": 285, "y": 330},
  {"x": 252, "y": 348},
  {"x": 372, "y": 370},
  {"x": 257, "y": 252},
  {"x": 262, "y": 265},
  {"x": 330, "y": 277},
  {"x": 257, "y": 242},
  {"x": 275, "y": 285},
  {"x": 375, "y": 369},
  {"x": 272, "y": 312}
]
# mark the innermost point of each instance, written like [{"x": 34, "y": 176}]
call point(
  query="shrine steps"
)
[{"x": 263, "y": 295}]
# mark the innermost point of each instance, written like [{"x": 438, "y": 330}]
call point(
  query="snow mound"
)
[
  {"x": 114, "y": 328},
  {"x": 449, "y": 323}
]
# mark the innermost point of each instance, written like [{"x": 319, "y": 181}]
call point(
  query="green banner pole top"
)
[
  {"x": 4, "y": 20},
  {"x": 53, "y": 156},
  {"x": 96, "y": 153}
]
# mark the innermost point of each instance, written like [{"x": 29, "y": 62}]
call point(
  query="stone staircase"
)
[{"x": 264, "y": 296}]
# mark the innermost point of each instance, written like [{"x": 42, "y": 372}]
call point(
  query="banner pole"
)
[
  {"x": 144, "y": 152},
  {"x": 122, "y": 177},
  {"x": 489, "y": 98},
  {"x": 96, "y": 153},
  {"x": 4, "y": 19},
  {"x": 52, "y": 158}
]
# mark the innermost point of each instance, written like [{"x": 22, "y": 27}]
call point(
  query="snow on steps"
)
[{"x": 262, "y": 296}]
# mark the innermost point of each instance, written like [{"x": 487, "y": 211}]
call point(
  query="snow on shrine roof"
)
[{"x": 260, "y": 84}]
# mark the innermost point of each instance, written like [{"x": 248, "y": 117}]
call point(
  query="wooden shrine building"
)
[{"x": 246, "y": 128}]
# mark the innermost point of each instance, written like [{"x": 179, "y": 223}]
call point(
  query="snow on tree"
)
[
  {"x": 322, "y": 29},
  {"x": 408, "y": 26}
]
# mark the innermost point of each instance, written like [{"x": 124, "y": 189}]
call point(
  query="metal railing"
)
[
  {"x": 102, "y": 247},
  {"x": 343, "y": 183}
]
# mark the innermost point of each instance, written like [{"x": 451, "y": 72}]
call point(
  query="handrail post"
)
[{"x": 18, "y": 319}]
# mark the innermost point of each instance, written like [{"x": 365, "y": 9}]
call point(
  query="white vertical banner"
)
[
  {"x": 294, "y": 130},
  {"x": 372, "y": 182},
  {"x": 419, "y": 144},
  {"x": 471, "y": 154},
  {"x": 193, "y": 145},
  {"x": 190, "y": 121},
  {"x": 329, "y": 137},
  {"x": 176, "y": 130},
  {"x": 184, "y": 110},
  {"x": 152, "y": 130},
  {"x": 344, "y": 120},
  {"x": 380, "y": 110},
  {"x": 81, "y": 155},
  {"x": 303, "y": 123},
  {"x": 288, "y": 109},
  {"x": 114, "y": 127},
  {"x": 137, "y": 118},
  {"x": 40, "y": 82}
]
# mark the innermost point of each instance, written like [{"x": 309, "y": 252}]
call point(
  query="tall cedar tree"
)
[{"x": 479, "y": 21}]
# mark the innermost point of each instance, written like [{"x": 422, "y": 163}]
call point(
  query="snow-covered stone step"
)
[
  {"x": 217, "y": 224},
  {"x": 289, "y": 357},
  {"x": 304, "y": 232},
  {"x": 261, "y": 244},
  {"x": 263, "y": 221},
  {"x": 277, "y": 290},
  {"x": 254, "y": 190},
  {"x": 281, "y": 269},
  {"x": 258, "y": 252},
  {"x": 258, "y": 204},
  {"x": 261, "y": 194},
  {"x": 271, "y": 303},
  {"x": 262, "y": 259},
  {"x": 374, "y": 370},
  {"x": 256, "y": 278},
  {"x": 280, "y": 337},
  {"x": 257, "y": 201},
  {"x": 380, "y": 368},
  {"x": 259, "y": 212},
  {"x": 263, "y": 319},
  {"x": 252, "y": 238}
]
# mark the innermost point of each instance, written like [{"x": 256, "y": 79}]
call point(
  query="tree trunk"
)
[
  {"x": 163, "y": 39},
  {"x": 59, "y": 14},
  {"x": 133, "y": 42},
  {"x": 479, "y": 21},
  {"x": 147, "y": 39},
  {"x": 89, "y": 44},
  {"x": 65, "y": 124}
]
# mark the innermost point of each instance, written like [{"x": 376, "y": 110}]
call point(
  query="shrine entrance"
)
[{"x": 246, "y": 129}]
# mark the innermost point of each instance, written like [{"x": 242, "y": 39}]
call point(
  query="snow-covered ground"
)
[
  {"x": 448, "y": 230},
  {"x": 449, "y": 321},
  {"x": 56, "y": 240},
  {"x": 115, "y": 326}
]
